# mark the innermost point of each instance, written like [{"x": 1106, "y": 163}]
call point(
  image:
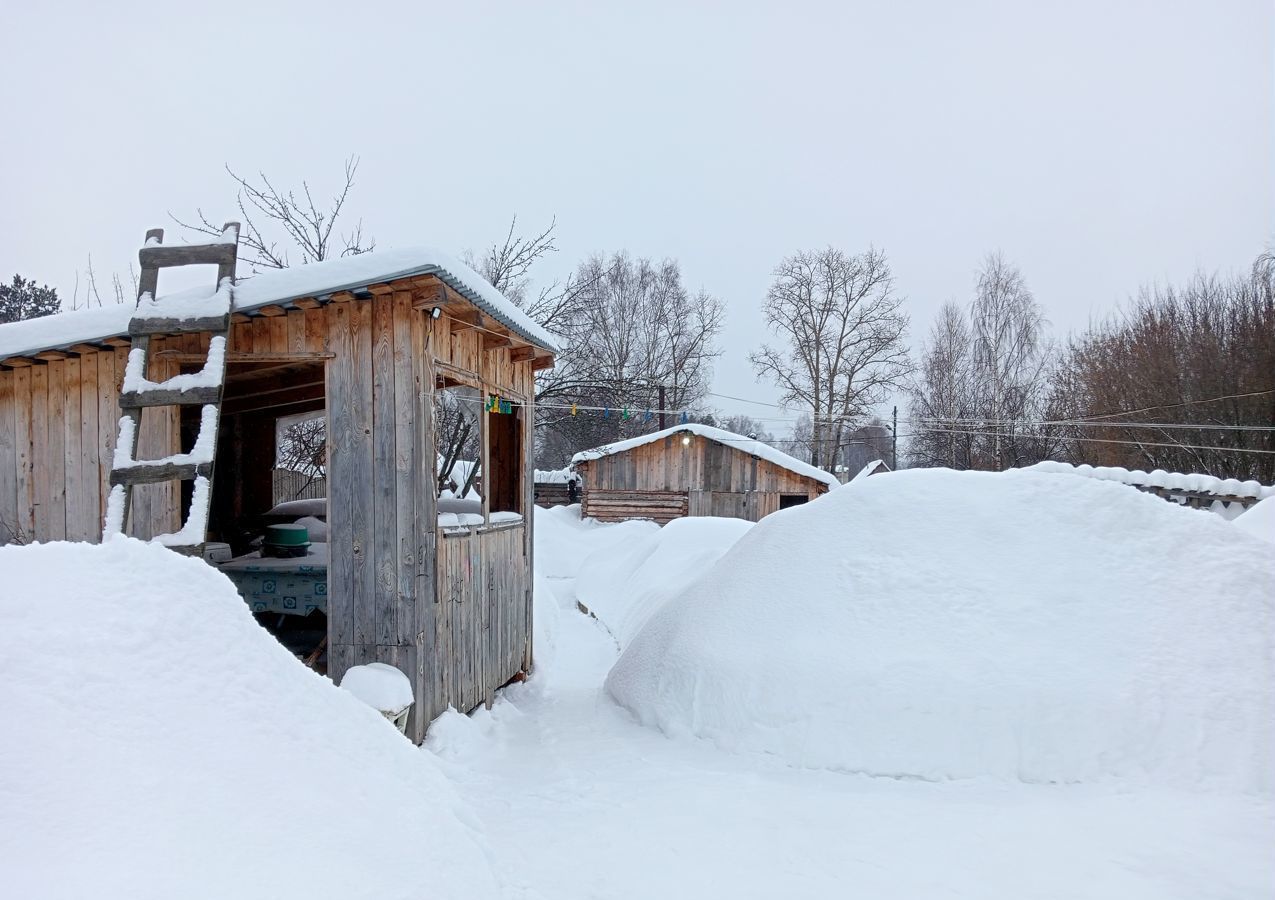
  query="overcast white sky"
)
[{"x": 1098, "y": 145}]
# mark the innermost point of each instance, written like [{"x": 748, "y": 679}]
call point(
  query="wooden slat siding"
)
[
  {"x": 362, "y": 504},
  {"x": 278, "y": 326},
  {"x": 296, "y": 330},
  {"x": 316, "y": 330},
  {"x": 56, "y": 451},
  {"x": 91, "y": 463},
  {"x": 10, "y": 531},
  {"x": 406, "y": 484},
  {"x": 261, "y": 334},
  {"x": 383, "y": 557},
  {"x": 341, "y": 464},
  {"x": 82, "y": 481},
  {"x": 108, "y": 416},
  {"x": 424, "y": 461},
  {"x": 24, "y": 481},
  {"x": 40, "y": 474},
  {"x": 241, "y": 339}
]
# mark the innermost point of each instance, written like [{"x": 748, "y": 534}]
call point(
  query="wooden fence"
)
[
  {"x": 483, "y": 622},
  {"x": 290, "y": 485}
]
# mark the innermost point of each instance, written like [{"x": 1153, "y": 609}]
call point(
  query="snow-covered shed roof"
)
[
  {"x": 1204, "y": 484},
  {"x": 870, "y": 468},
  {"x": 729, "y": 438},
  {"x": 318, "y": 280}
]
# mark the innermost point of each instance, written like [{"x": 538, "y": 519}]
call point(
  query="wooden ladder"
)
[{"x": 185, "y": 315}]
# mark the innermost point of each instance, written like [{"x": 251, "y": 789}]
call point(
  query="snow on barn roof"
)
[
  {"x": 729, "y": 438},
  {"x": 320, "y": 279},
  {"x": 869, "y": 469},
  {"x": 1205, "y": 484}
]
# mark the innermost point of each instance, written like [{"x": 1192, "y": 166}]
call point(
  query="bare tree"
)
[
  {"x": 1183, "y": 379},
  {"x": 842, "y": 331},
  {"x": 981, "y": 392},
  {"x": 632, "y": 331},
  {"x": 303, "y": 447},
  {"x": 941, "y": 394},
  {"x": 280, "y": 221},
  {"x": 1010, "y": 358}
]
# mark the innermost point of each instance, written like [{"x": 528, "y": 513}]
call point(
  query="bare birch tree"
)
[
  {"x": 842, "y": 349},
  {"x": 278, "y": 222}
]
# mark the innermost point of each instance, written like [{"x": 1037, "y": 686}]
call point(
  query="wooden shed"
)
[
  {"x": 369, "y": 343},
  {"x": 694, "y": 470}
]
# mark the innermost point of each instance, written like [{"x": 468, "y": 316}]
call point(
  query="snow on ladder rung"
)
[
  {"x": 200, "y": 455},
  {"x": 211, "y": 375}
]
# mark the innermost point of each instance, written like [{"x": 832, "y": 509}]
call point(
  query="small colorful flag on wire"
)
[{"x": 573, "y": 409}]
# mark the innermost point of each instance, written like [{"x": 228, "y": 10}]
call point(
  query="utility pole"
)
[
  {"x": 661, "y": 389},
  {"x": 894, "y": 442}
]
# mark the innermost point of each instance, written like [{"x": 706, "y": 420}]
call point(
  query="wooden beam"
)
[
  {"x": 493, "y": 341},
  {"x": 84, "y": 348},
  {"x": 247, "y": 356},
  {"x": 271, "y": 311},
  {"x": 117, "y": 342},
  {"x": 239, "y": 319},
  {"x": 50, "y": 355},
  {"x": 542, "y": 362},
  {"x": 379, "y": 289},
  {"x": 306, "y": 303},
  {"x": 341, "y": 297},
  {"x": 17, "y": 362},
  {"x": 522, "y": 354}
]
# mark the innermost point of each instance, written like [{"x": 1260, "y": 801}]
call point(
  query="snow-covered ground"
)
[
  {"x": 158, "y": 743},
  {"x": 583, "y": 801}
]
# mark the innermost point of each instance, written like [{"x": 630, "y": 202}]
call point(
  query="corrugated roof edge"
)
[
  {"x": 527, "y": 330},
  {"x": 52, "y": 332}
]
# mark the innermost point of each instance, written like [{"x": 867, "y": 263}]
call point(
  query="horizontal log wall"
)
[
  {"x": 714, "y": 479},
  {"x": 616, "y": 506}
]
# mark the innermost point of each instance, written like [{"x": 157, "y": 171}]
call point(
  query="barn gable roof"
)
[
  {"x": 728, "y": 438},
  {"x": 318, "y": 280}
]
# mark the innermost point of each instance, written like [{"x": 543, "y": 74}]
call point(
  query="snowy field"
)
[{"x": 852, "y": 698}]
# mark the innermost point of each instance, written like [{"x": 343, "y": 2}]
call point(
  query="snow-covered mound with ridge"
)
[
  {"x": 935, "y": 624},
  {"x": 158, "y": 743},
  {"x": 625, "y": 586}
]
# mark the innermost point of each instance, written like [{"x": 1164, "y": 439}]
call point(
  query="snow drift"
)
[
  {"x": 560, "y": 534},
  {"x": 937, "y": 625},
  {"x": 159, "y": 743},
  {"x": 1259, "y": 520},
  {"x": 624, "y": 587}
]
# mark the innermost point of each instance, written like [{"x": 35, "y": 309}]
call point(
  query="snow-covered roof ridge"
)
[
  {"x": 729, "y": 438},
  {"x": 320, "y": 279},
  {"x": 1205, "y": 484}
]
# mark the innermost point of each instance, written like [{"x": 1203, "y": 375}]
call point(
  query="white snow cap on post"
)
[{"x": 380, "y": 686}]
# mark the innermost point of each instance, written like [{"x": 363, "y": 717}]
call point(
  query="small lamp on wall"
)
[
  {"x": 435, "y": 312},
  {"x": 686, "y": 440}
]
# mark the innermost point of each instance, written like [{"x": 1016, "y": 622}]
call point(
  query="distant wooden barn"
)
[
  {"x": 694, "y": 470},
  {"x": 371, "y": 344}
]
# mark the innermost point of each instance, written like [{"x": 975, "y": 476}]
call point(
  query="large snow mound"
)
[
  {"x": 937, "y": 625},
  {"x": 624, "y": 587},
  {"x": 158, "y": 743}
]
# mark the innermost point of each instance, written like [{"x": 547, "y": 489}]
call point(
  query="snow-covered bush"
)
[{"x": 936, "y": 624}]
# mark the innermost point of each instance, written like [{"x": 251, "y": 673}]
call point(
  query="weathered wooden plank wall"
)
[
  {"x": 714, "y": 479},
  {"x": 58, "y": 424}
]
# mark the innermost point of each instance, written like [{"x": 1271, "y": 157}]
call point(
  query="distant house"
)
[
  {"x": 694, "y": 470},
  {"x": 876, "y": 467}
]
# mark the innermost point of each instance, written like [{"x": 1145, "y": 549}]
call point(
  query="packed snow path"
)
[{"x": 579, "y": 801}]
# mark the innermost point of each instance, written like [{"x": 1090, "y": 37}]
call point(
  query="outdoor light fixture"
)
[
  {"x": 435, "y": 312},
  {"x": 686, "y": 440}
]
